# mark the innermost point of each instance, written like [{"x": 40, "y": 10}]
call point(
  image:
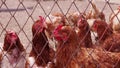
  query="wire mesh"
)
[{"x": 20, "y": 15}]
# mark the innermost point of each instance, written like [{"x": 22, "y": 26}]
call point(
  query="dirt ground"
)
[{"x": 21, "y": 20}]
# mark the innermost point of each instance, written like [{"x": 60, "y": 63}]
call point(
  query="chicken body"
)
[
  {"x": 14, "y": 52},
  {"x": 40, "y": 53},
  {"x": 69, "y": 54},
  {"x": 84, "y": 32},
  {"x": 66, "y": 48},
  {"x": 97, "y": 58},
  {"x": 110, "y": 41}
]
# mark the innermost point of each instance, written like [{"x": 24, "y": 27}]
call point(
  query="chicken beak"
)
[{"x": 45, "y": 25}]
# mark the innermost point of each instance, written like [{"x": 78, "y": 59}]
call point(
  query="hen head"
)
[
  {"x": 61, "y": 33},
  {"x": 99, "y": 24},
  {"x": 101, "y": 15},
  {"x": 82, "y": 22},
  {"x": 10, "y": 41},
  {"x": 39, "y": 25}
]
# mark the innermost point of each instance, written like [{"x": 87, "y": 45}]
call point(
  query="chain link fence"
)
[{"x": 20, "y": 15}]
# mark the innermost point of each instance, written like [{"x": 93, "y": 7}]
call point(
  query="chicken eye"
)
[{"x": 95, "y": 27}]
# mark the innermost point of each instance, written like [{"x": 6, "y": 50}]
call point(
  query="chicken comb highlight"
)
[
  {"x": 11, "y": 36},
  {"x": 42, "y": 19},
  {"x": 59, "y": 27},
  {"x": 12, "y": 33},
  {"x": 55, "y": 32}
]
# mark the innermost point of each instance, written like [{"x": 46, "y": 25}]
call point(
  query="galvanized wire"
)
[{"x": 38, "y": 3}]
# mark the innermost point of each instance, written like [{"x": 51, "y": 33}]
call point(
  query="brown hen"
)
[
  {"x": 84, "y": 32},
  {"x": 109, "y": 40},
  {"x": 69, "y": 54},
  {"x": 67, "y": 45},
  {"x": 14, "y": 52},
  {"x": 40, "y": 53}
]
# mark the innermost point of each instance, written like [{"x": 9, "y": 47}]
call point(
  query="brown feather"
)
[
  {"x": 84, "y": 33},
  {"x": 110, "y": 41},
  {"x": 40, "y": 48},
  {"x": 66, "y": 48}
]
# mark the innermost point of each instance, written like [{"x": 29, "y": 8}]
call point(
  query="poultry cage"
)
[{"x": 59, "y": 34}]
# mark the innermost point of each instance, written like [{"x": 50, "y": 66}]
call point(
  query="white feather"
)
[
  {"x": 90, "y": 22},
  {"x": 31, "y": 61},
  {"x": 6, "y": 63},
  {"x": 93, "y": 36}
]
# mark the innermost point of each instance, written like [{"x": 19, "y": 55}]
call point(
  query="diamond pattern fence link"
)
[{"x": 30, "y": 10}]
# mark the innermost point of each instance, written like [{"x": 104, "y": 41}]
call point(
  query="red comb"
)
[
  {"x": 42, "y": 19},
  {"x": 56, "y": 32},
  {"x": 59, "y": 27}
]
